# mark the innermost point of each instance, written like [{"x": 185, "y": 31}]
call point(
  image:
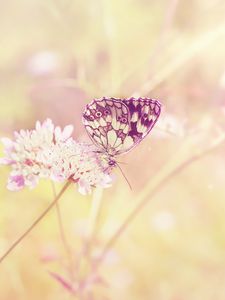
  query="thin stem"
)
[
  {"x": 63, "y": 236},
  {"x": 144, "y": 201},
  {"x": 95, "y": 211},
  {"x": 185, "y": 55},
  {"x": 17, "y": 242}
]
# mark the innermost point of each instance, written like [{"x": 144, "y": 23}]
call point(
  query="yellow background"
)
[{"x": 55, "y": 56}]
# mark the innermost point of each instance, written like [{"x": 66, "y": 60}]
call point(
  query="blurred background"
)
[{"x": 56, "y": 56}]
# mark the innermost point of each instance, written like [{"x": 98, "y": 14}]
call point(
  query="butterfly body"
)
[{"x": 118, "y": 125}]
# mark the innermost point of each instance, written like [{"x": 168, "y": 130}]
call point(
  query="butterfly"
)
[{"x": 118, "y": 125}]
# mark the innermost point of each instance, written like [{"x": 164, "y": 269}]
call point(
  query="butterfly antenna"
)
[{"x": 124, "y": 176}]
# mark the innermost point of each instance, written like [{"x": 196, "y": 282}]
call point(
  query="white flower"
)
[
  {"x": 23, "y": 154},
  {"x": 80, "y": 163},
  {"x": 51, "y": 152}
]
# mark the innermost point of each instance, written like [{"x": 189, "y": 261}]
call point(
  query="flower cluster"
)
[{"x": 50, "y": 152}]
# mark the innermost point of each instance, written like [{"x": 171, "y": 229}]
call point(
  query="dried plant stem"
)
[
  {"x": 65, "y": 243},
  {"x": 36, "y": 222},
  {"x": 147, "y": 197},
  {"x": 184, "y": 56}
]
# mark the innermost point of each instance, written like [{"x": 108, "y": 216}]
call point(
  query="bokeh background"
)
[{"x": 57, "y": 55}]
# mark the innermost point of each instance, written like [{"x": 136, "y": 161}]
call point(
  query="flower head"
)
[
  {"x": 51, "y": 152},
  {"x": 78, "y": 162}
]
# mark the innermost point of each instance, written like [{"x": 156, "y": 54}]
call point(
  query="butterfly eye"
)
[
  {"x": 91, "y": 117},
  {"x": 98, "y": 114}
]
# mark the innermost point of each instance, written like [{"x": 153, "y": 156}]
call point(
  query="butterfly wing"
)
[
  {"x": 144, "y": 113},
  {"x": 107, "y": 123},
  {"x": 116, "y": 125}
]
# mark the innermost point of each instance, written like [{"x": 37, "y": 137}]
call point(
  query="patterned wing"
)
[
  {"x": 117, "y": 125},
  {"x": 144, "y": 112},
  {"x": 107, "y": 123}
]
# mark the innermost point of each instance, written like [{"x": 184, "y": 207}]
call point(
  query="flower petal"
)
[
  {"x": 8, "y": 144},
  {"x": 16, "y": 183},
  {"x": 67, "y": 131},
  {"x": 84, "y": 187}
]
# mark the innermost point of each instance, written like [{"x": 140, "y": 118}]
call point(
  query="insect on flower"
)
[
  {"x": 118, "y": 125},
  {"x": 51, "y": 152}
]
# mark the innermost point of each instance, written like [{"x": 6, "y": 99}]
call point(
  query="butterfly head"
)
[
  {"x": 107, "y": 160},
  {"x": 111, "y": 162}
]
